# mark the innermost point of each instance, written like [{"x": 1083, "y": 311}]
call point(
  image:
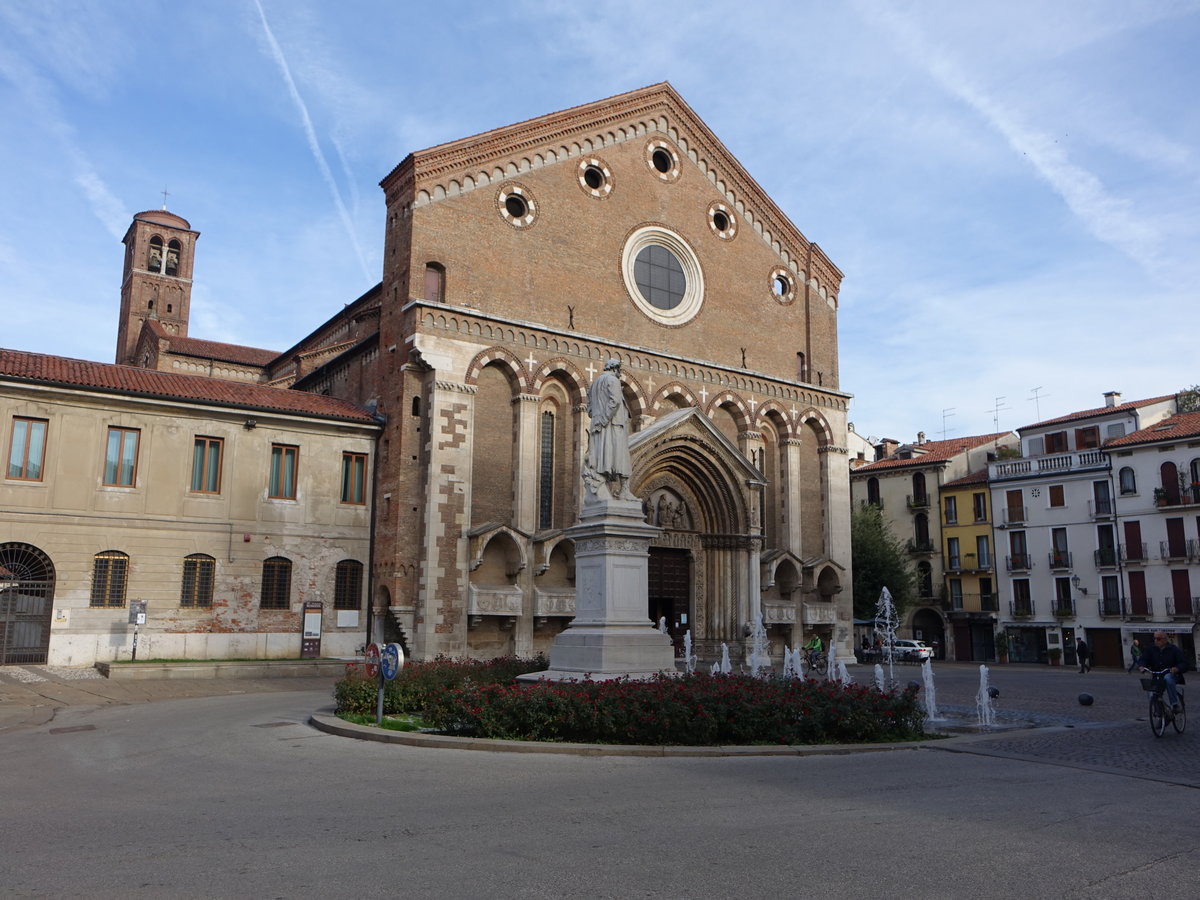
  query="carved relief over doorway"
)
[{"x": 668, "y": 510}]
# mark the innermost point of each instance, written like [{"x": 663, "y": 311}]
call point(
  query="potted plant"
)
[
  {"x": 1160, "y": 496},
  {"x": 1055, "y": 655},
  {"x": 1001, "y": 647}
]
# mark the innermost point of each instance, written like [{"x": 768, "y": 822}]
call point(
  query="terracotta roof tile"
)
[
  {"x": 234, "y": 353},
  {"x": 1172, "y": 428},
  {"x": 1098, "y": 411},
  {"x": 17, "y": 365},
  {"x": 979, "y": 477},
  {"x": 934, "y": 452}
]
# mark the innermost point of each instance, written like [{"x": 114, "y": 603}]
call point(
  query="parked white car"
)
[{"x": 912, "y": 650}]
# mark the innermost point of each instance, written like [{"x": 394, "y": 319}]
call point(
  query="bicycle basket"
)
[{"x": 1152, "y": 684}]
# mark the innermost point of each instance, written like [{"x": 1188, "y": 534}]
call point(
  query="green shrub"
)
[{"x": 480, "y": 699}]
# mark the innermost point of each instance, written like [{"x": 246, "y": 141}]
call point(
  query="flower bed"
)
[{"x": 480, "y": 700}]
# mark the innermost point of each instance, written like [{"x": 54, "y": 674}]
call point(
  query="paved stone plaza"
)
[{"x": 223, "y": 789}]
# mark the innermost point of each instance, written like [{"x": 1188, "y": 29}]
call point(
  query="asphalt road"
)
[{"x": 236, "y": 796}]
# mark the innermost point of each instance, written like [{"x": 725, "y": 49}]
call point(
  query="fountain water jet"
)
[
  {"x": 758, "y": 658},
  {"x": 931, "y": 710},
  {"x": 689, "y": 658},
  {"x": 886, "y": 623},
  {"x": 879, "y": 682},
  {"x": 983, "y": 701}
]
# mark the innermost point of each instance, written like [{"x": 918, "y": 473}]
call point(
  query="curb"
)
[{"x": 327, "y": 722}]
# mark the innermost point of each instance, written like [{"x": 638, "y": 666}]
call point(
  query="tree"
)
[
  {"x": 880, "y": 560},
  {"x": 1188, "y": 400}
]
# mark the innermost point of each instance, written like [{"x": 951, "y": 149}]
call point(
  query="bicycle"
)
[{"x": 1160, "y": 710}]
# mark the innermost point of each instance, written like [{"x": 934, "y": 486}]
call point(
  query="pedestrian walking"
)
[
  {"x": 1135, "y": 655},
  {"x": 1085, "y": 656}
]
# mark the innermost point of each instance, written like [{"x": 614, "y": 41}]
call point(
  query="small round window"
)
[
  {"x": 662, "y": 275},
  {"x": 516, "y": 205},
  {"x": 595, "y": 177},
  {"x": 663, "y": 160},
  {"x": 721, "y": 220},
  {"x": 783, "y": 285}
]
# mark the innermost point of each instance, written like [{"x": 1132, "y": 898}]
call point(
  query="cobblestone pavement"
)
[{"x": 1111, "y": 735}]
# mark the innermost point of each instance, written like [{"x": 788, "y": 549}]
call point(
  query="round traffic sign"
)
[
  {"x": 391, "y": 660},
  {"x": 371, "y": 660}
]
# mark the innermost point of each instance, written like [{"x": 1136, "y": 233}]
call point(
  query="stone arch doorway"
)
[
  {"x": 929, "y": 627},
  {"x": 26, "y": 600}
]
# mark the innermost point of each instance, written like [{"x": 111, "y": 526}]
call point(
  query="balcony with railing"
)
[
  {"x": 1053, "y": 464},
  {"x": 1060, "y": 559},
  {"x": 1105, "y": 557},
  {"x": 1019, "y": 562},
  {"x": 918, "y": 501},
  {"x": 1110, "y": 607},
  {"x": 1101, "y": 508},
  {"x": 1064, "y": 608},
  {"x": 1014, "y": 515},
  {"x": 1020, "y": 609},
  {"x": 1183, "y": 608},
  {"x": 1133, "y": 554},
  {"x": 920, "y": 547},
  {"x": 1177, "y": 551},
  {"x": 1187, "y": 495},
  {"x": 954, "y": 563},
  {"x": 1138, "y": 607}
]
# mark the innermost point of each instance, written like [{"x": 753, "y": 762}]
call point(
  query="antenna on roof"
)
[
  {"x": 1037, "y": 401},
  {"x": 164, "y": 193},
  {"x": 995, "y": 411},
  {"x": 946, "y": 413}
]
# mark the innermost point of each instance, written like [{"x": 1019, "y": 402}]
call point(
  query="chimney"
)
[
  {"x": 1112, "y": 398},
  {"x": 885, "y": 448},
  {"x": 920, "y": 437}
]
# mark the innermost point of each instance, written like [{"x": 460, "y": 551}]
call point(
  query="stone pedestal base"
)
[{"x": 611, "y": 635}]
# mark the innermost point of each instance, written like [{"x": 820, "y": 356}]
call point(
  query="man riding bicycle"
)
[
  {"x": 1161, "y": 656},
  {"x": 813, "y": 648}
]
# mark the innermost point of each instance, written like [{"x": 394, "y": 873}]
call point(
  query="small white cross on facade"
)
[
  {"x": 703, "y": 394},
  {"x": 531, "y": 362},
  {"x": 591, "y": 370},
  {"x": 650, "y": 385},
  {"x": 753, "y": 404}
]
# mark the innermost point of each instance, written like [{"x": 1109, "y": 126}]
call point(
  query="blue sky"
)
[{"x": 1011, "y": 189}]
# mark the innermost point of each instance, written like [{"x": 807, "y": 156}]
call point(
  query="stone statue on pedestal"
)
[{"x": 607, "y": 467}]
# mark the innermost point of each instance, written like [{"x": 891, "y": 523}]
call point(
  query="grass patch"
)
[{"x": 390, "y": 723}]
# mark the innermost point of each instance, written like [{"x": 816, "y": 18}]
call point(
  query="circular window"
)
[
  {"x": 662, "y": 275},
  {"x": 662, "y": 160},
  {"x": 783, "y": 285},
  {"x": 595, "y": 177},
  {"x": 516, "y": 205},
  {"x": 722, "y": 221}
]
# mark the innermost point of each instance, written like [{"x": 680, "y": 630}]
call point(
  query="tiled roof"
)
[
  {"x": 934, "y": 452},
  {"x": 234, "y": 353},
  {"x": 979, "y": 477},
  {"x": 58, "y": 370},
  {"x": 1173, "y": 428},
  {"x": 1098, "y": 411}
]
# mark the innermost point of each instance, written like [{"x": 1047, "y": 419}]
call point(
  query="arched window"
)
[
  {"x": 801, "y": 367},
  {"x": 546, "y": 472},
  {"x": 1170, "y": 482},
  {"x": 873, "y": 491},
  {"x": 110, "y": 571},
  {"x": 347, "y": 585},
  {"x": 276, "y": 583},
  {"x": 925, "y": 579},
  {"x": 154, "y": 257},
  {"x": 435, "y": 282},
  {"x": 172, "y": 266},
  {"x": 920, "y": 496},
  {"x": 1127, "y": 480},
  {"x": 199, "y": 573},
  {"x": 1194, "y": 487},
  {"x": 921, "y": 531}
]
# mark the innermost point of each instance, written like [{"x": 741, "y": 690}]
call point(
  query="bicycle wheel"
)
[
  {"x": 1158, "y": 716},
  {"x": 1180, "y": 720}
]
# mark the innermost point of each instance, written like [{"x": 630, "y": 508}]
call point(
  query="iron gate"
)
[{"x": 26, "y": 601}]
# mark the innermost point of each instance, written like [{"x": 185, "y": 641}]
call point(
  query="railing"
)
[
  {"x": 1139, "y": 607},
  {"x": 921, "y": 546},
  {"x": 1183, "y": 607},
  {"x": 1014, "y": 515},
  {"x": 1189, "y": 496},
  {"x": 953, "y": 563},
  {"x": 1020, "y": 609},
  {"x": 1133, "y": 553},
  {"x": 1018, "y": 562},
  {"x": 1176, "y": 551},
  {"x": 1052, "y": 464},
  {"x": 1060, "y": 559},
  {"x": 1105, "y": 557},
  {"x": 919, "y": 501},
  {"x": 988, "y": 603},
  {"x": 1100, "y": 508},
  {"x": 1064, "y": 609},
  {"x": 1109, "y": 607}
]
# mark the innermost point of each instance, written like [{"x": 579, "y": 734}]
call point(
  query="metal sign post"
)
[
  {"x": 137, "y": 618},
  {"x": 384, "y": 662}
]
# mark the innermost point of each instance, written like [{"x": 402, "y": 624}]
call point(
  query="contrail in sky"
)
[{"x": 313, "y": 144}]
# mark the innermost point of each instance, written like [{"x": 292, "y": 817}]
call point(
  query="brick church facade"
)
[{"x": 516, "y": 262}]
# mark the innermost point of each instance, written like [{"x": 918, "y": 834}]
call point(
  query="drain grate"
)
[
  {"x": 272, "y": 724},
  {"x": 71, "y": 729}
]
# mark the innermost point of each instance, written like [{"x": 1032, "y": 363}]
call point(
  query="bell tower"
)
[{"x": 156, "y": 282}]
